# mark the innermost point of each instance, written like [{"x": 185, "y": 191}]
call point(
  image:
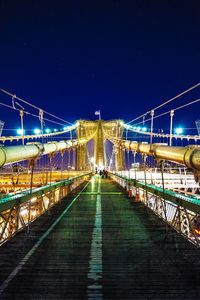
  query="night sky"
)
[{"x": 122, "y": 57}]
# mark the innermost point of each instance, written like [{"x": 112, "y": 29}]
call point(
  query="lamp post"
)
[
  {"x": 21, "y": 113},
  {"x": 151, "y": 133},
  {"x": 171, "y": 126}
]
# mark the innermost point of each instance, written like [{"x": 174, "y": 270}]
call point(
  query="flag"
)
[{"x": 97, "y": 113}]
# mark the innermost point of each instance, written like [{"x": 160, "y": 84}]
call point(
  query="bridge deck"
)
[{"x": 103, "y": 247}]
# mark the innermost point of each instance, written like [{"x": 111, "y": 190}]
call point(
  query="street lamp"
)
[
  {"x": 178, "y": 130},
  {"x": 20, "y": 131},
  {"x": 37, "y": 131}
]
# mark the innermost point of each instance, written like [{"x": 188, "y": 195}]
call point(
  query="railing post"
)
[{"x": 171, "y": 126}]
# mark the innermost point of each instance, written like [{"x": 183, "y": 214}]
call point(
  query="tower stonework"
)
[
  {"x": 99, "y": 155},
  {"x": 100, "y": 130}
]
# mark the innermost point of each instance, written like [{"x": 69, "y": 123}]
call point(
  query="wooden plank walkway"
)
[{"x": 99, "y": 246}]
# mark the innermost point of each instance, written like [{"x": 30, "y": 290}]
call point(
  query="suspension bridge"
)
[{"x": 87, "y": 212}]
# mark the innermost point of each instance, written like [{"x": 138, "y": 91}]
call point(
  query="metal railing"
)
[
  {"x": 18, "y": 211},
  {"x": 181, "y": 212}
]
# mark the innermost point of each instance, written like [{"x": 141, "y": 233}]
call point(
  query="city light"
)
[
  {"x": 20, "y": 131},
  {"x": 144, "y": 129},
  {"x": 47, "y": 130},
  {"x": 65, "y": 128},
  {"x": 138, "y": 128},
  {"x": 24, "y": 212},
  {"x": 55, "y": 130},
  {"x": 127, "y": 126},
  {"x": 37, "y": 131},
  {"x": 178, "y": 130}
]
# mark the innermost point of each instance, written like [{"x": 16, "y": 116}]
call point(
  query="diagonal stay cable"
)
[{"x": 32, "y": 105}]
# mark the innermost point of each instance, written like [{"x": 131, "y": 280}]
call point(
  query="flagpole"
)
[{"x": 99, "y": 115}]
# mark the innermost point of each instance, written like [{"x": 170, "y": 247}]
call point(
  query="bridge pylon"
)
[
  {"x": 101, "y": 128},
  {"x": 99, "y": 151}
]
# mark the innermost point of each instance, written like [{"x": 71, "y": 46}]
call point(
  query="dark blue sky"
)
[{"x": 123, "y": 57}]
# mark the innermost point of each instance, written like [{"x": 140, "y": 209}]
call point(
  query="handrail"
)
[
  {"x": 10, "y": 201},
  {"x": 191, "y": 203}
]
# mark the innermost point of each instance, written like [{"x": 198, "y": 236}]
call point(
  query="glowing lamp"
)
[
  {"x": 178, "y": 130},
  {"x": 37, "y": 131},
  {"x": 20, "y": 132},
  {"x": 197, "y": 231}
]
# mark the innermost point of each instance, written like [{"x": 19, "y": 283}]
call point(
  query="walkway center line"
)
[
  {"x": 94, "y": 290},
  {"x": 4, "y": 285}
]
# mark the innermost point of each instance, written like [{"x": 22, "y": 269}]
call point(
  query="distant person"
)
[{"x": 106, "y": 173}]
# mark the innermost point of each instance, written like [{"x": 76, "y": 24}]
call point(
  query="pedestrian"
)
[{"x": 106, "y": 173}]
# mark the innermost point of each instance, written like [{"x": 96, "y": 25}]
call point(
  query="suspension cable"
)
[
  {"x": 177, "y": 96},
  {"x": 174, "y": 109},
  {"x": 32, "y": 105},
  {"x": 166, "y": 102},
  {"x": 31, "y": 114}
]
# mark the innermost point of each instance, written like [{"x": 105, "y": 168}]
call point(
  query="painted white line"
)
[
  {"x": 94, "y": 291},
  {"x": 4, "y": 285}
]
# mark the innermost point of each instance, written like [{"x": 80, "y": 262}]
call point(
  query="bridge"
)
[{"x": 87, "y": 212}]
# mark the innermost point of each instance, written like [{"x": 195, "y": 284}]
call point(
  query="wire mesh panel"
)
[
  {"x": 198, "y": 126},
  {"x": 1, "y": 126}
]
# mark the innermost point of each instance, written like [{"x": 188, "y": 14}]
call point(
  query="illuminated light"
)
[
  {"x": 128, "y": 127},
  {"x": 33, "y": 199},
  {"x": 197, "y": 231},
  {"x": 55, "y": 130},
  {"x": 178, "y": 130},
  {"x": 144, "y": 129},
  {"x": 46, "y": 202},
  {"x": 33, "y": 213},
  {"x": 134, "y": 127},
  {"x": 92, "y": 159},
  {"x": 20, "y": 131},
  {"x": 77, "y": 123},
  {"x": 23, "y": 212},
  {"x": 138, "y": 128},
  {"x": 121, "y": 123},
  {"x": 37, "y": 131},
  {"x": 65, "y": 128},
  {"x": 47, "y": 130}
]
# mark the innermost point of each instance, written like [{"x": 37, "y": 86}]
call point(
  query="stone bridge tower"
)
[{"x": 103, "y": 130}]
